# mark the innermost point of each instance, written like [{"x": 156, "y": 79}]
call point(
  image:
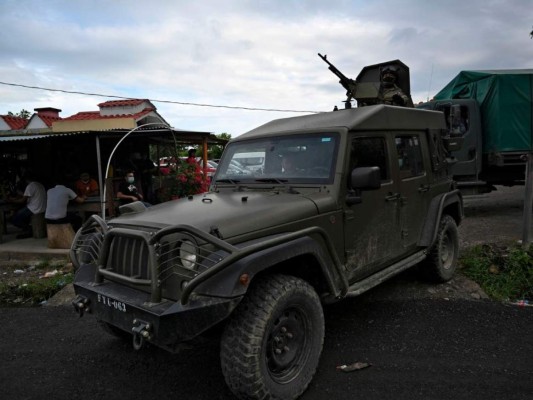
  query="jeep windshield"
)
[{"x": 305, "y": 159}]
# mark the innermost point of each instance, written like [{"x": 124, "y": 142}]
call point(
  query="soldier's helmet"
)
[{"x": 389, "y": 74}]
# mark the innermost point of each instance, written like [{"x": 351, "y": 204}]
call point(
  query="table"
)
[{"x": 90, "y": 205}]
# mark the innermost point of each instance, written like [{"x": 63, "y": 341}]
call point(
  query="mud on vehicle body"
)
[{"x": 343, "y": 201}]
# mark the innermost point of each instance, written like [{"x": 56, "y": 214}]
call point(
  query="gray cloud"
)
[{"x": 245, "y": 53}]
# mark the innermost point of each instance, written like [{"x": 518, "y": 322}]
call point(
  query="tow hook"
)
[
  {"x": 141, "y": 332},
  {"x": 81, "y": 305}
]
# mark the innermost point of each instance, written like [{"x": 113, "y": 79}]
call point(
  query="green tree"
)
[
  {"x": 216, "y": 151},
  {"x": 22, "y": 114}
]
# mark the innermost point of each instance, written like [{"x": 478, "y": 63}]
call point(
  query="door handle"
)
[
  {"x": 392, "y": 197},
  {"x": 423, "y": 188}
]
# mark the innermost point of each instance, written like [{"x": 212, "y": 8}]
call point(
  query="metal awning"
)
[
  {"x": 20, "y": 137},
  {"x": 157, "y": 134}
]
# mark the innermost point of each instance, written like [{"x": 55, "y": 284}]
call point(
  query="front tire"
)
[
  {"x": 271, "y": 347},
  {"x": 441, "y": 262}
]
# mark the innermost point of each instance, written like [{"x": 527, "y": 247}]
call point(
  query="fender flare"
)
[
  {"x": 434, "y": 215},
  {"x": 226, "y": 282}
]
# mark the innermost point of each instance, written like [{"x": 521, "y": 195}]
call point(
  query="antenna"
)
[{"x": 430, "y": 80}]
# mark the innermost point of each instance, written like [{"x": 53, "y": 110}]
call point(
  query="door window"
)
[
  {"x": 410, "y": 161},
  {"x": 370, "y": 152}
]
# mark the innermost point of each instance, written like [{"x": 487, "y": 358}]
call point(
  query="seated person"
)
[
  {"x": 57, "y": 200},
  {"x": 33, "y": 201},
  {"x": 291, "y": 164},
  {"x": 127, "y": 191},
  {"x": 287, "y": 164},
  {"x": 87, "y": 186}
]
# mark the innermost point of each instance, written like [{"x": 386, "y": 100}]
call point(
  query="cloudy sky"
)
[{"x": 243, "y": 53}]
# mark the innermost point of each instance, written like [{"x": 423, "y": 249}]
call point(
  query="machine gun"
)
[
  {"x": 367, "y": 89},
  {"x": 349, "y": 84}
]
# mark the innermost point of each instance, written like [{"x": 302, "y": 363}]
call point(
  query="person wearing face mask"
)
[
  {"x": 86, "y": 186},
  {"x": 127, "y": 191}
]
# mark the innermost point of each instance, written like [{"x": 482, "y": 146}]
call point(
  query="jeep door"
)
[
  {"x": 372, "y": 236},
  {"x": 414, "y": 185}
]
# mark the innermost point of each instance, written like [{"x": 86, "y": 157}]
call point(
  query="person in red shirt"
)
[
  {"x": 86, "y": 186},
  {"x": 192, "y": 157}
]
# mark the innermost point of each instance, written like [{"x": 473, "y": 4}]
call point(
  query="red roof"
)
[
  {"x": 93, "y": 115},
  {"x": 122, "y": 103},
  {"x": 15, "y": 122},
  {"x": 48, "y": 119}
]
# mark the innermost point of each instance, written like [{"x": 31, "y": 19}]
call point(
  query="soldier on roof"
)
[{"x": 390, "y": 91}]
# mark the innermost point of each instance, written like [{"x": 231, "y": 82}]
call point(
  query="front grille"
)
[
  {"x": 129, "y": 257},
  {"x": 162, "y": 262}
]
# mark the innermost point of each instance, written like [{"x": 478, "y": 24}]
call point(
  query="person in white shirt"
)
[
  {"x": 56, "y": 206},
  {"x": 33, "y": 201}
]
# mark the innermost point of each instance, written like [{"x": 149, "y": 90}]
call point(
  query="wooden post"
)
[
  {"x": 204, "y": 154},
  {"x": 528, "y": 201}
]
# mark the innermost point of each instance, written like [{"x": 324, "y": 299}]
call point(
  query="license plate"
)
[{"x": 109, "y": 302}]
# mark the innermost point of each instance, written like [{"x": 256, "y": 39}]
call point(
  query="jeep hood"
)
[{"x": 232, "y": 213}]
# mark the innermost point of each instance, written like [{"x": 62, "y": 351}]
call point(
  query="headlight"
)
[{"x": 188, "y": 254}]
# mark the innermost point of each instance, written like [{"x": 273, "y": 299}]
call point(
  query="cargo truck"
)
[{"x": 492, "y": 111}]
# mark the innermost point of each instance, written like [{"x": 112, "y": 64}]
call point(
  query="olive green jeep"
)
[{"x": 301, "y": 212}]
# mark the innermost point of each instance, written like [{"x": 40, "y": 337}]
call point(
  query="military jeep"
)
[{"x": 341, "y": 202}]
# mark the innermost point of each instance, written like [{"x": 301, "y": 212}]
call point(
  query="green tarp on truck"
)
[{"x": 505, "y": 101}]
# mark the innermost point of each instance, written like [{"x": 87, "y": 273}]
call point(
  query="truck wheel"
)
[
  {"x": 271, "y": 347},
  {"x": 441, "y": 262}
]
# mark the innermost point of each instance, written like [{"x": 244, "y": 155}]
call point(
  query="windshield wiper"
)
[{"x": 272, "y": 180}]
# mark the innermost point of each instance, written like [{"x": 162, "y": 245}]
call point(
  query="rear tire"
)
[
  {"x": 271, "y": 347},
  {"x": 441, "y": 262}
]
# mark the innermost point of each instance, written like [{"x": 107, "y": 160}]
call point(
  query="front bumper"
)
[{"x": 165, "y": 324}]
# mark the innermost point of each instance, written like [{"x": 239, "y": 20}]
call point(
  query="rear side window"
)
[
  {"x": 410, "y": 160},
  {"x": 370, "y": 152}
]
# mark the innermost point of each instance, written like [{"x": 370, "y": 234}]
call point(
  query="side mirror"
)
[
  {"x": 365, "y": 178},
  {"x": 362, "y": 178}
]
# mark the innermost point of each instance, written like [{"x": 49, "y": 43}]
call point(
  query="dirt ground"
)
[{"x": 495, "y": 217}]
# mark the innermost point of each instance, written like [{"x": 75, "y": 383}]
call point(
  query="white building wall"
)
[
  {"x": 4, "y": 126},
  {"x": 36, "y": 123}
]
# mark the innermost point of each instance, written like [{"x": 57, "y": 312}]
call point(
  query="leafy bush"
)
[{"x": 188, "y": 179}]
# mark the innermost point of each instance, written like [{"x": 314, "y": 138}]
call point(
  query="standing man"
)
[
  {"x": 144, "y": 169},
  {"x": 191, "y": 159},
  {"x": 33, "y": 201}
]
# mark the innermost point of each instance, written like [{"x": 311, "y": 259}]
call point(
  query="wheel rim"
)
[
  {"x": 447, "y": 251},
  {"x": 287, "y": 348}
]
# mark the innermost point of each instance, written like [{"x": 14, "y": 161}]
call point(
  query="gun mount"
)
[{"x": 383, "y": 83}]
